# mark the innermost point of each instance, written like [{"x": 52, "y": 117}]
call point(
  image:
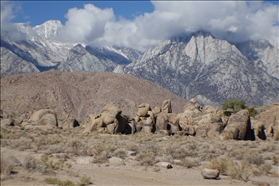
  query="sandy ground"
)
[{"x": 128, "y": 174}]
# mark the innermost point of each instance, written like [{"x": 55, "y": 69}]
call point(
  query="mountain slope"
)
[
  {"x": 207, "y": 68},
  {"x": 262, "y": 54},
  {"x": 40, "y": 48},
  {"x": 78, "y": 94}
]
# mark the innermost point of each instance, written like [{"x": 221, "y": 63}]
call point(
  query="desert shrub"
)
[
  {"x": 33, "y": 164},
  {"x": 76, "y": 147},
  {"x": 252, "y": 112},
  {"x": 146, "y": 157},
  {"x": 234, "y": 104},
  {"x": 222, "y": 164},
  {"x": 120, "y": 153},
  {"x": 50, "y": 164},
  {"x": 176, "y": 153},
  {"x": 56, "y": 181},
  {"x": 238, "y": 171},
  {"x": 102, "y": 157},
  {"x": 189, "y": 162},
  {"x": 268, "y": 146},
  {"x": 84, "y": 180},
  {"x": 265, "y": 168},
  {"x": 156, "y": 169},
  {"x": 133, "y": 147},
  {"x": 256, "y": 159}
]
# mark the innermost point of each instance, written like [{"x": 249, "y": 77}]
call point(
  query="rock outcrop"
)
[{"x": 237, "y": 127}]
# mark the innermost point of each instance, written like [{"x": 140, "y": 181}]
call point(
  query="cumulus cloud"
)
[
  {"x": 87, "y": 24},
  {"x": 235, "y": 21}
]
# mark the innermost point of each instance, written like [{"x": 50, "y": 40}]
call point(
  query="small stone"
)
[
  {"x": 116, "y": 161},
  {"x": 13, "y": 161},
  {"x": 165, "y": 164},
  {"x": 210, "y": 173},
  {"x": 85, "y": 160},
  {"x": 7, "y": 122}
]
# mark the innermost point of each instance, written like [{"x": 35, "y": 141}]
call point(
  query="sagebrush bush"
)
[
  {"x": 120, "y": 153},
  {"x": 146, "y": 157}
]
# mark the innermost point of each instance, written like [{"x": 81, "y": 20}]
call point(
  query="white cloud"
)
[
  {"x": 235, "y": 21},
  {"x": 85, "y": 25}
]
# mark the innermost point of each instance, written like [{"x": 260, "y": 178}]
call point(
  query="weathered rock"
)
[
  {"x": 215, "y": 130},
  {"x": 162, "y": 121},
  {"x": 69, "y": 123},
  {"x": 13, "y": 161},
  {"x": 268, "y": 117},
  {"x": 130, "y": 127},
  {"x": 192, "y": 105},
  {"x": 48, "y": 119},
  {"x": 237, "y": 126},
  {"x": 166, "y": 106},
  {"x": 7, "y": 122},
  {"x": 189, "y": 130},
  {"x": 85, "y": 160},
  {"x": 94, "y": 124},
  {"x": 143, "y": 109},
  {"x": 109, "y": 113},
  {"x": 210, "y": 173},
  {"x": 116, "y": 161},
  {"x": 37, "y": 115},
  {"x": 156, "y": 111},
  {"x": 118, "y": 125},
  {"x": 259, "y": 129},
  {"x": 164, "y": 164},
  {"x": 201, "y": 131},
  {"x": 44, "y": 117}
]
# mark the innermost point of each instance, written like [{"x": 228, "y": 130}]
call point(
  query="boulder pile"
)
[{"x": 195, "y": 120}]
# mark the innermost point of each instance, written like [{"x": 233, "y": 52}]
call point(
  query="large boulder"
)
[
  {"x": 44, "y": 117},
  {"x": 95, "y": 123},
  {"x": 118, "y": 125},
  {"x": 166, "y": 106},
  {"x": 162, "y": 123},
  {"x": 143, "y": 109},
  {"x": 69, "y": 123},
  {"x": 192, "y": 105},
  {"x": 214, "y": 130},
  {"x": 258, "y": 129},
  {"x": 109, "y": 113},
  {"x": 173, "y": 121},
  {"x": 156, "y": 111},
  {"x": 237, "y": 127},
  {"x": 269, "y": 120},
  {"x": 210, "y": 173},
  {"x": 149, "y": 122}
]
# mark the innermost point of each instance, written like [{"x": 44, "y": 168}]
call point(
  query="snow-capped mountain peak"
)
[{"x": 48, "y": 29}]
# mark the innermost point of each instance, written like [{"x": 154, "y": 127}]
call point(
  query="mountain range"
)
[{"x": 195, "y": 65}]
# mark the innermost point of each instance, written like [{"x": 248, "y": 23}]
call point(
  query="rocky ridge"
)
[{"x": 208, "y": 69}]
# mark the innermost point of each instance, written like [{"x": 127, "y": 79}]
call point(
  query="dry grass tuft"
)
[{"x": 146, "y": 158}]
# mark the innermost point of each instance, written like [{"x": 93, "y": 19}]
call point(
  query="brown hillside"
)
[{"x": 78, "y": 94}]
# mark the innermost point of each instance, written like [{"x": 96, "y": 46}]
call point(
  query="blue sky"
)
[
  {"x": 37, "y": 12},
  {"x": 141, "y": 24}
]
